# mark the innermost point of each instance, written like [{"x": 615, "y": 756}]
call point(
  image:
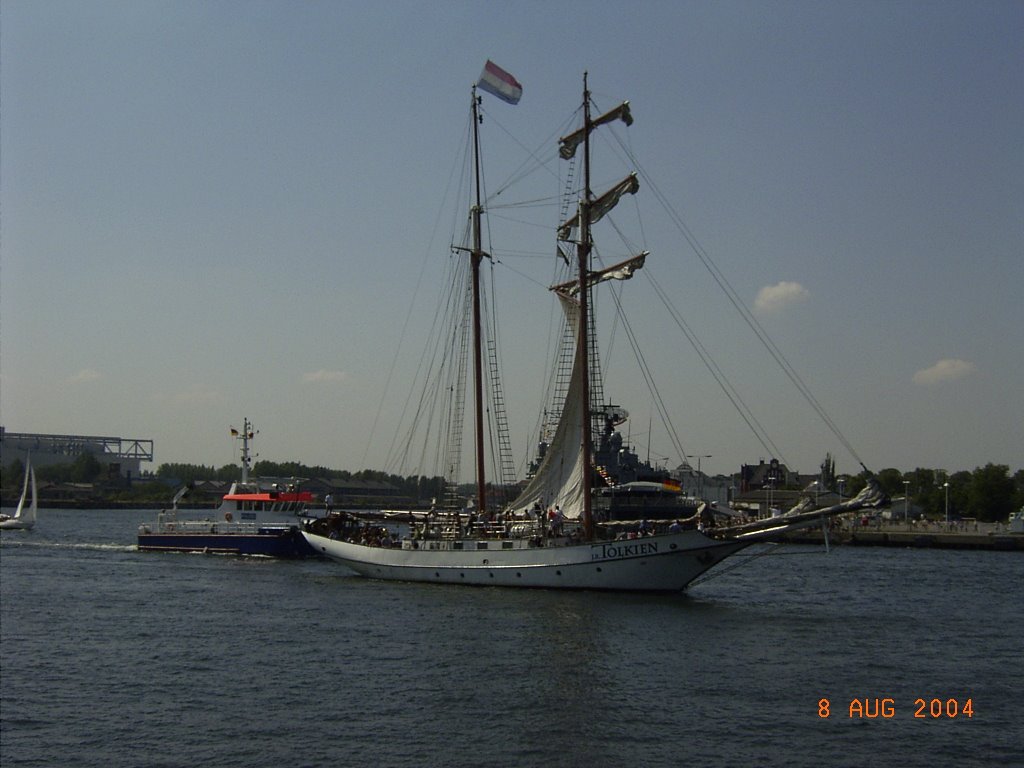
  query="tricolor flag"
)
[{"x": 500, "y": 83}]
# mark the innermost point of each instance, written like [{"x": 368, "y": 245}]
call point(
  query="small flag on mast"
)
[{"x": 500, "y": 83}]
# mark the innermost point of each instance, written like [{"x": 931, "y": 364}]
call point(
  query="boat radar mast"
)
[{"x": 247, "y": 434}]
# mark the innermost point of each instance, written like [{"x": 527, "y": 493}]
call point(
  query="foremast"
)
[{"x": 476, "y": 257}]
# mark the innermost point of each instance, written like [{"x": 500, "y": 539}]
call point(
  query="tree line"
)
[
  {"x": 86, "y": 468},
  {"x": 989, "y": 493},
  {"x": 413, "y": 486}
]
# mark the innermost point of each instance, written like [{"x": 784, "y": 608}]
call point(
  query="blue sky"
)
[{"x": 213, "y": 210}]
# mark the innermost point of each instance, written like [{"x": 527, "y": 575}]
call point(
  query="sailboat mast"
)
[
  {"x": 476, "y": 256},
  {"x": 583, "y": 254}
]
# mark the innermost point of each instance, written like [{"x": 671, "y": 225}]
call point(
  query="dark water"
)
[{"x": 112, "y": 657}]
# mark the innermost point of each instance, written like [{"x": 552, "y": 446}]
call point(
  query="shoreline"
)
[{"x": 906, "y": 537}]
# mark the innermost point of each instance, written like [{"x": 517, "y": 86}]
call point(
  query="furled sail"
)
[
  {"x": 621, "y": 271},
  {"x": 602, "y": 205},
  {"x": 569, "y": 143},
  {"x": 559, "y": 479}
]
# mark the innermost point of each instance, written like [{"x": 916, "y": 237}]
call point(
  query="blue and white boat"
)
[{"x": 236, "y": 527}]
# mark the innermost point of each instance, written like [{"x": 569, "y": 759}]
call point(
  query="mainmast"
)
[
  {"x": 583, "y": 249},
  {"x": 476, "y": 256}
]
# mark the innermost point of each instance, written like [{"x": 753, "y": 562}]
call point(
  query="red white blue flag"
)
[{"x": 500, "y": 83}]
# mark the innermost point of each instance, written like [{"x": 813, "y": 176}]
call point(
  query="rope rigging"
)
[
  {"x": 744, "y": 311},
  {"x": 436, "y": 386}
]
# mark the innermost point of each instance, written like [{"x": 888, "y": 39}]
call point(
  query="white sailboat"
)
[
  {"x": 25, "y": 516},
  {"x": 516, "y": 546}
]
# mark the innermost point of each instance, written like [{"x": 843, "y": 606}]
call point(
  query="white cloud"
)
[
  {"x": 322, "y": 375},
  {"x": 944, "y": 370},
  {"x": 772, "y": 298},
  {"x": 85, "y": 375}
]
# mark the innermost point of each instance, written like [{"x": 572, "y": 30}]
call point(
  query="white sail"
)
[
  {"x": 568, "y": 144},
  {"x": 559, "y": 479},
  {"x": 602, "y": 205},
  {"x": 27, "y": 516},
  {"x": 624, "y": 270}
]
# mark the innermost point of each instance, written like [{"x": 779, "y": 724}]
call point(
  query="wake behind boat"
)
[
  {"x": 24, "y": 516},
  {"x": 549, "y": 536},
  {"x": 235, "y": 528}
]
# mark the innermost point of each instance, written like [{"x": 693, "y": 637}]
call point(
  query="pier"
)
[{"x": 991, "y": 536}]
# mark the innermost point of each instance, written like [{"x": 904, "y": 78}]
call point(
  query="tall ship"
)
[{"x": 553, "y": 533}]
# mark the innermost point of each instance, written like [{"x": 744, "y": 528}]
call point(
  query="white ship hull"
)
[
  {"x": 664, "y": 563},
  {"x": 14, "y": 524}
]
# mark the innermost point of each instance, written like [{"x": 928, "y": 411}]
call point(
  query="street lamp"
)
[
  {"x": 906, "y": 501},
  {"x": 817, "y": 493},
  {"x": 946, "y": 486},
  {"x": 840, "y": 484},
  {"x": 700, "y": 477}
]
